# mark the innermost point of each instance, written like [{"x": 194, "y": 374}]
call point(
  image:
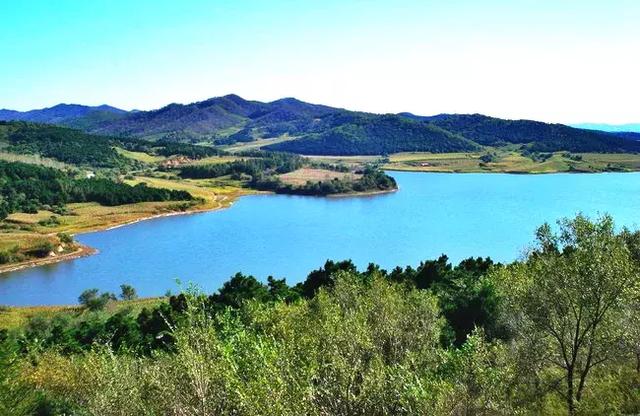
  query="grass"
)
[
  {"x": 213, "y": 160},
  {"x": 257, "y": 144},
  {"x": 139, "y": 156},
  {"x": 301, "y": 176},
  {"x": 510, "y": 161},
  {"x": 15, "y": 317},
  {"x": 34, "y": 160}
]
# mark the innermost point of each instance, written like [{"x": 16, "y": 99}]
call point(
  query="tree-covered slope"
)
[
  {"x": 190, "y": 121},
  {"x": 324, "y": 130},
  {"x": 539, "y": 136},
  {"x": 28, "y": 188},
  {"x": 375, "y": 135},
  {"x": 60, "y": 143}
]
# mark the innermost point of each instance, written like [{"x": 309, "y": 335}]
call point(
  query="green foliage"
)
[
  {"x": 263, "y": 168},
  {"x": 27, "y": 188},
  {"x": 128, "y": 292},
  {"x": 52, "y": 221},
  {"x": 64, "y": 144},
  {"x": 367, "y": 134},
  {"x": 65, "y": 238},
  {"x": 567, "y": 301},
  {"x": 41, "y": 249},
  {"x": 93, "y": 301},
  {"x": 372, "y": 179},
  {"x": 258, "y": 163},
  {"x": 346, "y": 342},
  {"x": 535, "y": 135},
  {"x": 10, "y": 255}
]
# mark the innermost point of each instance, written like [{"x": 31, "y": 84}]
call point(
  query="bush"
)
[
  {"x": 65, "y": 238},
  {"x": 41, "y": 249},
  {"x": 94, "y": 302}
]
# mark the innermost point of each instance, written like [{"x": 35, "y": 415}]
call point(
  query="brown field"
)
[{"x": 301, "y": 176}]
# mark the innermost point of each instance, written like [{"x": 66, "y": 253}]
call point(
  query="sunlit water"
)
[{"x": 287, "y": 236}]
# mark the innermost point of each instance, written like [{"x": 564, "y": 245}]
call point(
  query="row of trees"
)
[
  {"x": 555, "y": 333},
  {"x": 253, "y": 164}
]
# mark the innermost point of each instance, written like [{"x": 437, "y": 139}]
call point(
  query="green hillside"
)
[{"x": 323, "y": 130}]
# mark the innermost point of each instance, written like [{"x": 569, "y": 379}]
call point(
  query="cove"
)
[{"x": 460, "y": 215}]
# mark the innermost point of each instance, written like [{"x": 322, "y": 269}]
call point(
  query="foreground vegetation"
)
[{"x": 554, "y": 333}]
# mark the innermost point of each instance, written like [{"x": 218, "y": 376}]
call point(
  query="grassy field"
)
[
  {"x": 257, "y": 144},
  {"x": 140, "y": 156},
  {"x": 213, "y": 160},
  {"x": 301, "y": 176},
  {"x": 15, "y": 317},
  {"x": 34, "y": 160},
  {"x": 508, "y": 161}
]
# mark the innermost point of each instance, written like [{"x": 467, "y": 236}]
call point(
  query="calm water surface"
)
[{"x": 287, "y": 236}]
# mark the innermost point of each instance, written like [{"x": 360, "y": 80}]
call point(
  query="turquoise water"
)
[{"x": 287, "y": 236}]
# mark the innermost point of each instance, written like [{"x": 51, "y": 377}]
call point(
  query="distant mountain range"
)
[
  {"x": 306, "y": 128},
  {"x": 73, "y": 115}
]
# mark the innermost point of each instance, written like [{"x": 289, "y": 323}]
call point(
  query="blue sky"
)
[{"x": 563, "y": 61}]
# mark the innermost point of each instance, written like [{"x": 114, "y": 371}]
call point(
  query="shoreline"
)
[
  {"x": 82, "y": 251},
  {"x": 361, "y": 194},
  {"x": 85, "y": 251},
  {"x": 507, "y": 172}
]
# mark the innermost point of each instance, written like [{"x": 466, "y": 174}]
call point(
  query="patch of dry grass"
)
[{"x": 302, "y": 176}]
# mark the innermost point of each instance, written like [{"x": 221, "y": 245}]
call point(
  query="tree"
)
[
  {"x": 94, "y": 302},
  {"x": 279, "y": 290},
  {"x": 237, "y": 290},
  {"x": 65, "y": 238},
  {"x": 569, "y": 297},
  {"x": 324, "y": 276},
  {"x": 128, "y": 292}
]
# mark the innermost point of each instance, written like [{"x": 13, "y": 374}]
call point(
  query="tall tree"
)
[{"x": 569, "y": 297}]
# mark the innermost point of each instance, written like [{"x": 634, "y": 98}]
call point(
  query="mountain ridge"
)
[{"x": 320, "y": 129}]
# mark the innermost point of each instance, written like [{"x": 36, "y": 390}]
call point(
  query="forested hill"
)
[
  {"x": 72, "y": 115},
  {"x": 29, "y": 188},
  {"x": 64, "y": 144},
  {"x": 541, "y": 137},
  {"x": 75, "y": 147},
  {"x": 375, "y": 135},
  {"x": 306, "y": 128}
]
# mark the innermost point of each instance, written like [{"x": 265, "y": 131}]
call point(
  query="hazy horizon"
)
[{"x": 569, "y": 63}]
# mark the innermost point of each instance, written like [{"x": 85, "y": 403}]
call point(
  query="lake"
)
[{"x": 461, "y": 215}]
